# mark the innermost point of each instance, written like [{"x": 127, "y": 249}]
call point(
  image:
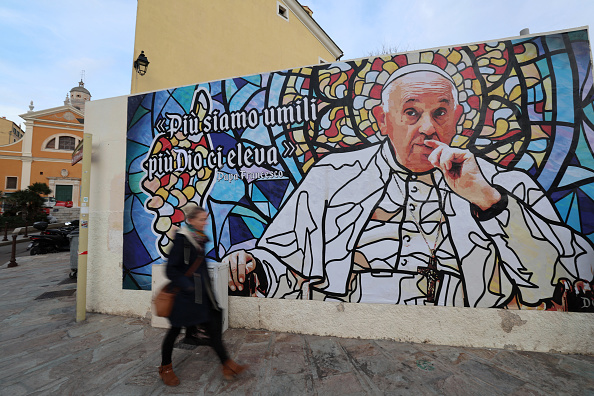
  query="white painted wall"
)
[
  {"x": 106, "y": 120},
  {"x": 472, "y": 327}
]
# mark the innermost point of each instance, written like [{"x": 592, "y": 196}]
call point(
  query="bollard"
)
[
  {"x": 13, "y": 262},
  {"x": 26, "y": 231},
  {"x": 5, "y": 232}
]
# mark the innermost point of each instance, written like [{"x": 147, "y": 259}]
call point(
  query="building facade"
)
[
  {"x": 43, "y": 153},
  {"x": 189, "y": 41},
  {"x": 10, "y": 132}
]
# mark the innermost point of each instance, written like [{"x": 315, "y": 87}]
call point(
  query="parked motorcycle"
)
[
  {"x": 50, "y": 241},
  {"x": 62, "y": 231}
]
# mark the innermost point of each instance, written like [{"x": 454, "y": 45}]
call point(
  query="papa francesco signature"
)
[{"x": 243, "y": 175}]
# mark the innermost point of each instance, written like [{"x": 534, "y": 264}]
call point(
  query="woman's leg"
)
[
  {"x": 167, "y": 346},
  {"x": 214, "y": 331}
]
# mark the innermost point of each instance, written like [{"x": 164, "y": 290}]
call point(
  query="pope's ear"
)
[{"x": 380, "y": 116}]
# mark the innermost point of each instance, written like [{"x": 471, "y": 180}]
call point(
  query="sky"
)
[{"x": 45, "y": 45}]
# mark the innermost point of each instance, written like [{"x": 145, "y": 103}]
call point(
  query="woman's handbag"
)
[{"x": 163, "y": 301}]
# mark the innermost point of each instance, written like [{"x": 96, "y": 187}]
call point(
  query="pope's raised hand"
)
[
  {"x": 240, "y": 264},
  {"x": 462, "y": 174}
]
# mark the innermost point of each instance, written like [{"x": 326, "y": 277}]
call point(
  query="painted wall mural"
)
[{"x": 460, "y": 176}]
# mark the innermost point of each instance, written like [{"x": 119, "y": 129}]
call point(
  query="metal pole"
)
[
  {"x": 13, "y": 262},
  {"x": 26, "y": 231},
  {"x": 5, "y": 232},
  {"x": 83, "y": 236}
]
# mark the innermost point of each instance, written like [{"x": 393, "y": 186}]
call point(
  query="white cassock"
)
[{"x": 351, "y": 231}]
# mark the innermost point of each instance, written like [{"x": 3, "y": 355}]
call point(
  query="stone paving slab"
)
[{"x": 43, "y": 351}]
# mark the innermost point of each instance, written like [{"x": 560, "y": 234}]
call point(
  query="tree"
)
[
  {"x": 29, "y": 201},
  {"x": 387, "y": 50},
  {"x": 40, "y": 188}
]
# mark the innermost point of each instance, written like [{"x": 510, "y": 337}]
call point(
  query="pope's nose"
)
[{"x": 426, "y": 126}]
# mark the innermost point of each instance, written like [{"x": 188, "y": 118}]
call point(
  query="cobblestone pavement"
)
[{"x": 43, "y": 351}]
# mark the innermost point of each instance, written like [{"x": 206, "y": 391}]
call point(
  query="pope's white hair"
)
[{"x": 415, "y": 68}]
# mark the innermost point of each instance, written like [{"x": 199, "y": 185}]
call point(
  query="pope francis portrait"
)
[{"x": 413, "y": 220}]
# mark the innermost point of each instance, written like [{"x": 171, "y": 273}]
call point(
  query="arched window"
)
[
  {"x": 51, "y": 144},
  {"x": 61, "y": 142},
  {"x": 66, "y": 143}
]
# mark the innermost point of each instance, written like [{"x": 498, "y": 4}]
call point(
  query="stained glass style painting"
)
[{"x": 460, "y": 176}]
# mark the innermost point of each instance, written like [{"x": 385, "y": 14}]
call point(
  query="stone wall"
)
[{"x": 63, "y": 214}]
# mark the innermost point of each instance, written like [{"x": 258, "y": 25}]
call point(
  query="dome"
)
[
  {"x": 78, "y": 96},
  {"x": 81, "y": 88}
]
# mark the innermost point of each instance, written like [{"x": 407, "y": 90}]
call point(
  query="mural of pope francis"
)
[{"x": 412, "y": 220}]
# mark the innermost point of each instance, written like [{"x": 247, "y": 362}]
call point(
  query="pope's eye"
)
[
  {"x": 411, "y": 112},
  {"x": 440, "y": 112}
]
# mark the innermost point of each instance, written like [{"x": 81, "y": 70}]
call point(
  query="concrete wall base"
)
[{"x": 538, "y": 331}]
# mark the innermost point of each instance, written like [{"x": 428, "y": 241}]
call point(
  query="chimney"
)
[{"x": 308, "y": 10}]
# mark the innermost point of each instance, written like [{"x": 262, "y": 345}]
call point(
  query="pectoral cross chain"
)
[
  {"x": 432, "y": 275},
  {"x": 430, "y": 271}
]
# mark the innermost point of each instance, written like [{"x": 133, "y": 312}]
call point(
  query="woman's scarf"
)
[{"x": 196, "y": 237}]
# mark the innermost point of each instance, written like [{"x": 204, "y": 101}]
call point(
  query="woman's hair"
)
[{"x": 194, "y": 211}]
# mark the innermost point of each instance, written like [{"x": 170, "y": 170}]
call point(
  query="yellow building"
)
[
  {"x": 9, "y": 131},
  {"x": 192, "y": 41},
  {"x": 43, "y": 154}
]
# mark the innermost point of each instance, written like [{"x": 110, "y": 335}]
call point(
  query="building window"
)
[
  {"x": 61, "y": 142},
  {"x": 12, "y": 182},
  {"x": 282, "y": 11},
  {"x": 66, "y": 143}
]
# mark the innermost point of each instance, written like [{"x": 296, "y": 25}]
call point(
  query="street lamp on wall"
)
[{"x": 141, "y": 64}]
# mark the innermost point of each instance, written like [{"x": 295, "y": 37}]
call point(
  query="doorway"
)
[{"x": 63, "y": 193}]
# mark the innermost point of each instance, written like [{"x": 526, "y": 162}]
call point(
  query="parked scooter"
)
[
  {"x": 62, "y": 231},
  {"x": 49, "y": 241}
]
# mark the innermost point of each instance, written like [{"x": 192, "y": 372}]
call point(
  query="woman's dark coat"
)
[{"x": 186, "y": 312}]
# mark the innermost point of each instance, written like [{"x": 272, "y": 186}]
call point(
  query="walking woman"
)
[{"x": 195, "y": 303}]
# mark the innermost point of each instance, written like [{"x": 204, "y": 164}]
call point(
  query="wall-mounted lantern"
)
[{"x": 141, "y": 63}]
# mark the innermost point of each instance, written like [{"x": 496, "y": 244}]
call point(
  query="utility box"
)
[{"x": 219, "y": 274}]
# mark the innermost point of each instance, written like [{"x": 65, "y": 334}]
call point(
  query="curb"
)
[{"x": 23, "y": 240}]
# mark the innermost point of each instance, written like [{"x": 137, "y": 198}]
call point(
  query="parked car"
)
[
  {"x": 49, "y": 202},
  {"x": 67, "y": 204}
]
